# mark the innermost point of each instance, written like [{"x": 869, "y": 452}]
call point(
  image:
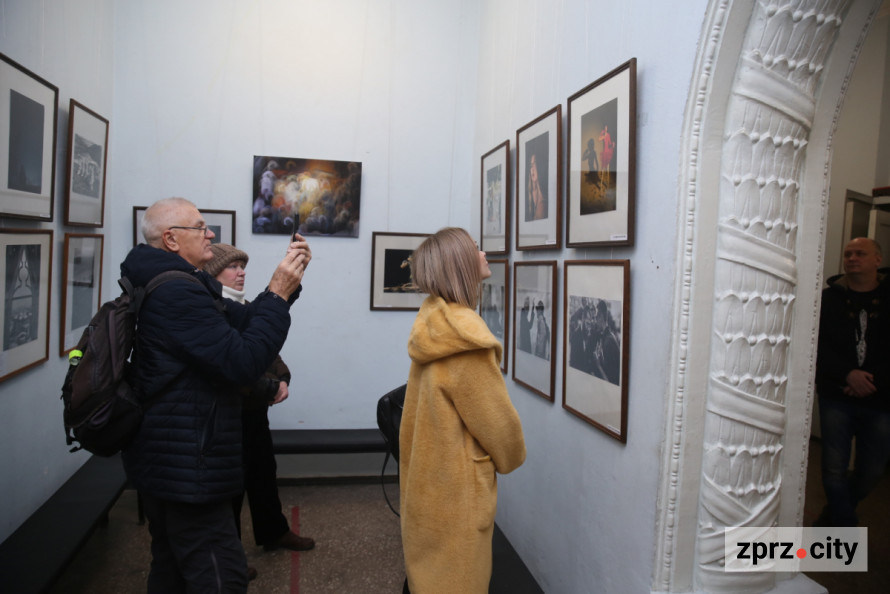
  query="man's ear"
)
[{"x": 169, "y": 241}]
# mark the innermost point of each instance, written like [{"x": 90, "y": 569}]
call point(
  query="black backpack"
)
[
  {"x": 102, "y": 411},
  {"x": 389, "y": 419}
]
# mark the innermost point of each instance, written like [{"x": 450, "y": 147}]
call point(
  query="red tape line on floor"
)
[{"x": 295, "y": 557}]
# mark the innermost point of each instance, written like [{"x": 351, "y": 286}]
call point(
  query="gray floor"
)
[{"x": 359, "y": 546}]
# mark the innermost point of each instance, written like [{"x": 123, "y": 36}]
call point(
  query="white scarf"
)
[{"x": 233, "y": 294}]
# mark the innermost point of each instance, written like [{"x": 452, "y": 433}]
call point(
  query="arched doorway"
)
[{"x": 768, "y": 84}]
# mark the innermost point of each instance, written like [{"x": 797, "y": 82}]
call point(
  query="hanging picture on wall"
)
[
  {"x": 595, "y": 332},
  {"x": 28, "y": 114},
  {"x": 494, "y": 304},
  {"x": 221, "y": 222},
  {"x": 391, "y": 286},
  {"x": 495, "y": 199},
  {"x": 81, "y": 286},
  {"x": 601, "y": 168},
  {"x": 539, "y": 182},
  {"x": 87, "y": 158},
  {"x": 534, "y": 337},
  {"x": 26, "y": 257},
  {"x": 313, "y": 196}
]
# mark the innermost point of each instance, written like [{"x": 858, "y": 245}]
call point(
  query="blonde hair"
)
[
  {"x": 160, "y": 216},
  {"x": 446, "y": 265}
]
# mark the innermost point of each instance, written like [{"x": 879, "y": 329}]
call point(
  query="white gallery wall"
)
[
  {"x": 69, "y": 44},
  {"x": 581, "y": 511}
]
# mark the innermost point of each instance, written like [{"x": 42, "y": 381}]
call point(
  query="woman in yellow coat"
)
[{"x": 458, "y": 426}]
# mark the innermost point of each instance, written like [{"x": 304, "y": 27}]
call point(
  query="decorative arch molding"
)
[{"x": 768, "y": 83}]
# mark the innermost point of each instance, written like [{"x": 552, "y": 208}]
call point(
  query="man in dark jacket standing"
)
[
  {"x": 185, "y": 461},
  {"x": 852, "y": 380}
]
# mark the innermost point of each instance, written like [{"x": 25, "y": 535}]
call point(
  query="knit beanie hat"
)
[{"x": 223, "y": 255}]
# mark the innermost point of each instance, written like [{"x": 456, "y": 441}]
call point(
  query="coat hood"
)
[
  {"x": 443, "y": 329},
  {"x": 839, "y": 281},
  {"x": 144, "y": 262}
]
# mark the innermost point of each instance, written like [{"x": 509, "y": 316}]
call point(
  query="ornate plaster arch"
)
[{"x": 758, "y": 127}]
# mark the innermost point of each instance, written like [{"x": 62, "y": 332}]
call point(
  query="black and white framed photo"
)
[
  {"x": 81, "y": 286},
  {"x": 534, "y": 337},
  {"x": 87, "y": 159},
  {"x": 595, "y": 332},
  {"x": 221, "y": 222},
  {"x": 539, "y": 182},
  {"x": 29, "y": 108},
  {"x": 26, "y": 257},
  {"x": 392, "y": 288},
  {"x": 601, "y": 169},
  {"x": 494, "y": 304},
  {"x": 495, "y": 200}
]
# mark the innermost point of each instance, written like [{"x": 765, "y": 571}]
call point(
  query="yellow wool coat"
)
[{"x": 458, "y": 428}]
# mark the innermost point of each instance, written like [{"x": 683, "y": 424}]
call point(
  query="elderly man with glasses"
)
[{"x": 185, "y": 460}]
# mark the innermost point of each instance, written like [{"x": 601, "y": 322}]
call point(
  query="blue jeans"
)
[{"x": 842, "y": 419}]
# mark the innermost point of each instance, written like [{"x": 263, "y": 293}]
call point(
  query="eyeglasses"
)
[{"x": 204, "y": 230}]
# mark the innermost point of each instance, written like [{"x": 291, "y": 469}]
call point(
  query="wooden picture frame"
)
[
  {"x": 222, "y": 222},
  {"x": 539, "y": 182},
  {"x": 81, "y": 286},
  {"x": 596, "y": 328},
  {"x": 601, "y": 170},
  {"x": 29, "y": 112},
  {"x": 87, "y": 160},
  {"x": 494, "y": 198},
  {"x": 26, "y": 257},
  {"x": 534, "y": 336},
  {"x": 494, "y": 305},
  {"x": 391, "y": 286}
]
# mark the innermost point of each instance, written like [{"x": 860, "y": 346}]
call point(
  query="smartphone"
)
[{"x": 294, "y": 228}]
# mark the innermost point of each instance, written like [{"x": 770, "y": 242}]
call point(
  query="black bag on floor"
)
[{"x": 389, "y": 419}]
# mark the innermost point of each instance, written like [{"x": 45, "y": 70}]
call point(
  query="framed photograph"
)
[
  {"x": 29, "y": 109},
  {"x": 81, "y": 286},
  {"x": 26, "y": 257},
  {"x": 391, "y": 286},
  {"x": 87, "y": 157},
  {"x": 311, "y": 196},
  {"x": 534, "y": 339},
  {"x": 221, "y": 222},
  {"x": 494, "y": 305},
  {"x": 495, "y": 199},
  {"x": 595, "y": 331},
  {"x": 539, "y": 182},
  {"x": 601, "y": 169}
]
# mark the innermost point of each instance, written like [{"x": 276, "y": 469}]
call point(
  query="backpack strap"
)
[{"x": 138, "y": 294}]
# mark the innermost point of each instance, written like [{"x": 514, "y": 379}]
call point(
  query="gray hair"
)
[{"x": 160, "y": 216}]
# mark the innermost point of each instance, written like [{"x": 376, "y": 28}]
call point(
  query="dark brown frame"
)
[
  {"x": 43, "y": 308},
  {"x": 74, "y": 108},
  {"x": 8, "y": 197},
  {"x": 507, "y": 298},
  {"x": 554, "y": 304},
  {"x": 596, "y": 383},
  {"x": 626, "y": 150},
  {"x": 66, "y": 264},
  {"x": 411, "y": 303},
  {"x": 502, "y": 153},
  {"x": 552, "y": 118},
  {"x": 139, "y": 211}
]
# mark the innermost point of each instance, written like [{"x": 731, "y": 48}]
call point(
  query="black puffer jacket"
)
[
  {"x": 838, "y": 327},
  {"x": 191, "y": 359}
]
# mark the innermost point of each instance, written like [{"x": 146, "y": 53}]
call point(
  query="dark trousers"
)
[
  {"x": 841, "y": 420},
  {"x": 194, "y": 548},
  {"x": 260, "y": 479}
]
